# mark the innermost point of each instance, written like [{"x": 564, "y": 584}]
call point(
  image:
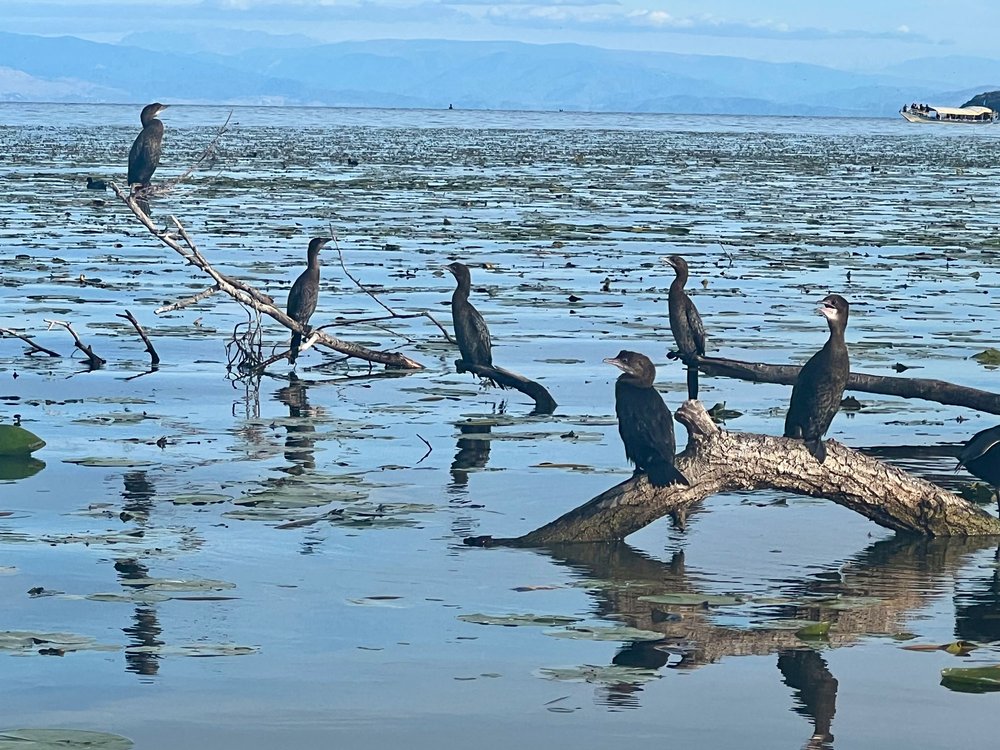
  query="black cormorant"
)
[
  {"x": 981, "y": 456},
  {"x": 144, "y": 157},
  {"x": 470, "y": 329},
  {"x": 645, "y": 423},
  {"x": 820, "y": 386},
  {"x": 685, "y": 323},
  {"x": 93, "y": 184},
  {"x": 304, "y": 294}
]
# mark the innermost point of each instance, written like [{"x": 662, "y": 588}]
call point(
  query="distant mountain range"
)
[{"x": 256, "y": 68}]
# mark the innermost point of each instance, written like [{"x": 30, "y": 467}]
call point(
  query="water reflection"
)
[
  {"x": 300, "y": 430},
  {"x": 13, "y": 468},
  {"x": 472, "y": 452},
  {"x": 138, "y": 493},
  {"x": 145, "y": 629},
  {"x": 875, "y": 593},
  {"x": 815, "y": 692}
]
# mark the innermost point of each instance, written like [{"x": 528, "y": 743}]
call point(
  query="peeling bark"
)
[{"x": 719, "y": 461}]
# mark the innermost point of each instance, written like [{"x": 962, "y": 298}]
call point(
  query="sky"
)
[{"x": 851, "y": 34}]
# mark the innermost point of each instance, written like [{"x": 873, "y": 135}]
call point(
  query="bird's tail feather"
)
[
  {"x": 818, "y": 448},
  {"x": 293, "y": 350},
  {"x": 660, "y": 475}
]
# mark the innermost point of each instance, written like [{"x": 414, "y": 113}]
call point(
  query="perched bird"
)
[
  {"x": 981, "y": 456},
  {"x": 685, "y": 323},
  {"x": 820, "y": 386},
  {"x": 645, "y": 423},
  {"x": 144, "y": 157},
  {"x": 470, "y": 329},
  {"x": 93, "y": 184},
  {"x": 304, "y": 294}
]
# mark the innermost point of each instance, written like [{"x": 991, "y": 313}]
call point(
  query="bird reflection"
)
[
  {"x": 815, "y": 692},
  {"x": 138, "y": 493},
  {"x": 145, "y": 629},
  {"x": 300, "y": 435},
  {"x": 977, "y": 612},
  {"x": 472, "y": 453}
]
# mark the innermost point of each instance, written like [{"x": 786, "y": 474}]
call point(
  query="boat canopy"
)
[{"x": 962, "y": 111}]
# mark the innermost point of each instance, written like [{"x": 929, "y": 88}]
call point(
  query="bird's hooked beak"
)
[
  {"x": 162, "y": 107},
  {"x": 669, "y": 260},
  {"x": 623, "y": 366},
  {"x": 828, "y": 310}
]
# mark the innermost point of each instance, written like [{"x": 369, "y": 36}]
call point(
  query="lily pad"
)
[
  {"x": 61, "y": 739},
  {"x": 107, "y": 462},
  {"x": 172, "y": 584},
  {"x": 614, "y": 633},
  {"x": 195, "y": 649},
  {"x": 205, "y": 498},
  {"x": 988, "y": 357},
  {"x": 17, "y": 441},
  {"x": 815, "y": 630},
  {"x": 972, "y": 679},
  {"x": 513, "y": 621}
]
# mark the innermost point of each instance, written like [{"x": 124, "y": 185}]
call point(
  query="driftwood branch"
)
[
  {"x": 544, "y": 403},
  {"x": 154, "y": 358},
  {"x": 719, "y": 461},
  {"x": 940, "y": 391},
  {"x": 34, "y": 347},
  {"x": 92, "y": 359},
  {"x": 245, "y": 294},
  {"x": 141, "y": 193}
]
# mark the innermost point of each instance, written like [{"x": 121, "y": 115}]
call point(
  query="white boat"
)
[{"x": 949, "y": 115}]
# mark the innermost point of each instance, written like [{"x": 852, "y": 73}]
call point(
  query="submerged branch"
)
[
  {"x": 544, "y": 403},
  {"x": 154, "y": 358},
  {"x": 940, "y": 391},
  {"x": 34, "y": 347},
  {"x": 719, "y": 461},
  {"x": 93, "y": 360}
]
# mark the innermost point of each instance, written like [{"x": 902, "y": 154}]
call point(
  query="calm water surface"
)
[{"x": 367, "y": 629}]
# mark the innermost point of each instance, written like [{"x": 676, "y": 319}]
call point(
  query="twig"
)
[
  {"x": 429, "y": 450},
  {"x": 34, "y": 347},
  {"x": 92, "y": 359},
  {"x": 154, "y": 358},
  {"x": 163, "y": 188},
  {"x": 187, "y": 301},
  {"x": 370, "y": 293}
]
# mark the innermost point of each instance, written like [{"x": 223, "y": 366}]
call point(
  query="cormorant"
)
[
  {"x": 304, "y": 294},
  {"x": 470, "y": 329},
  {"x": 645, "y": 423},
  {"x": 93, "y": 184},
  {"x": 981, "y": 456},
  {"x": 820, "y": 386},
  {"x": 144, "y": 157},
  {"x": 685, "y": 323}
]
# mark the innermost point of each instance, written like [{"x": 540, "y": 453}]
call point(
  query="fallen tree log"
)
[
  {"x": 716, "y": 460},
  {"x": 940, "y": 391}
]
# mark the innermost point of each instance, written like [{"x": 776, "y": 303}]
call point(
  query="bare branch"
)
[
  {"x": 34, "y": 347},
  {"x": 154, "y": 358},
  {"x": 250, "y": 297},
  {"x": 92, "y": 359},
  {"x": 544, "y": 403},
  {"x": 940, "y": 391},
  {"x": 187, "y": 301}
]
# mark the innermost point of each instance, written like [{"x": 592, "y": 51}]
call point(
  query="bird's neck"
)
[
  {"x": 679, "y": 281},
  {"x": 313, "y": 261},
  {"x": 461, "y": 292}
]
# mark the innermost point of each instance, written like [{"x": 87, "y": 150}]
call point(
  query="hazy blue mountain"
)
[
  {"x": 951, "y": 71},
  {"x": 262, "y": 68}
]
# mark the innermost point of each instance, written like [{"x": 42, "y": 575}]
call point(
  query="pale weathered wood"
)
[{"x": 719, "y": 461}]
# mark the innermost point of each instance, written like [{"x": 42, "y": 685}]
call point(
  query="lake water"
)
[{"x": 368, "y": 629}]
